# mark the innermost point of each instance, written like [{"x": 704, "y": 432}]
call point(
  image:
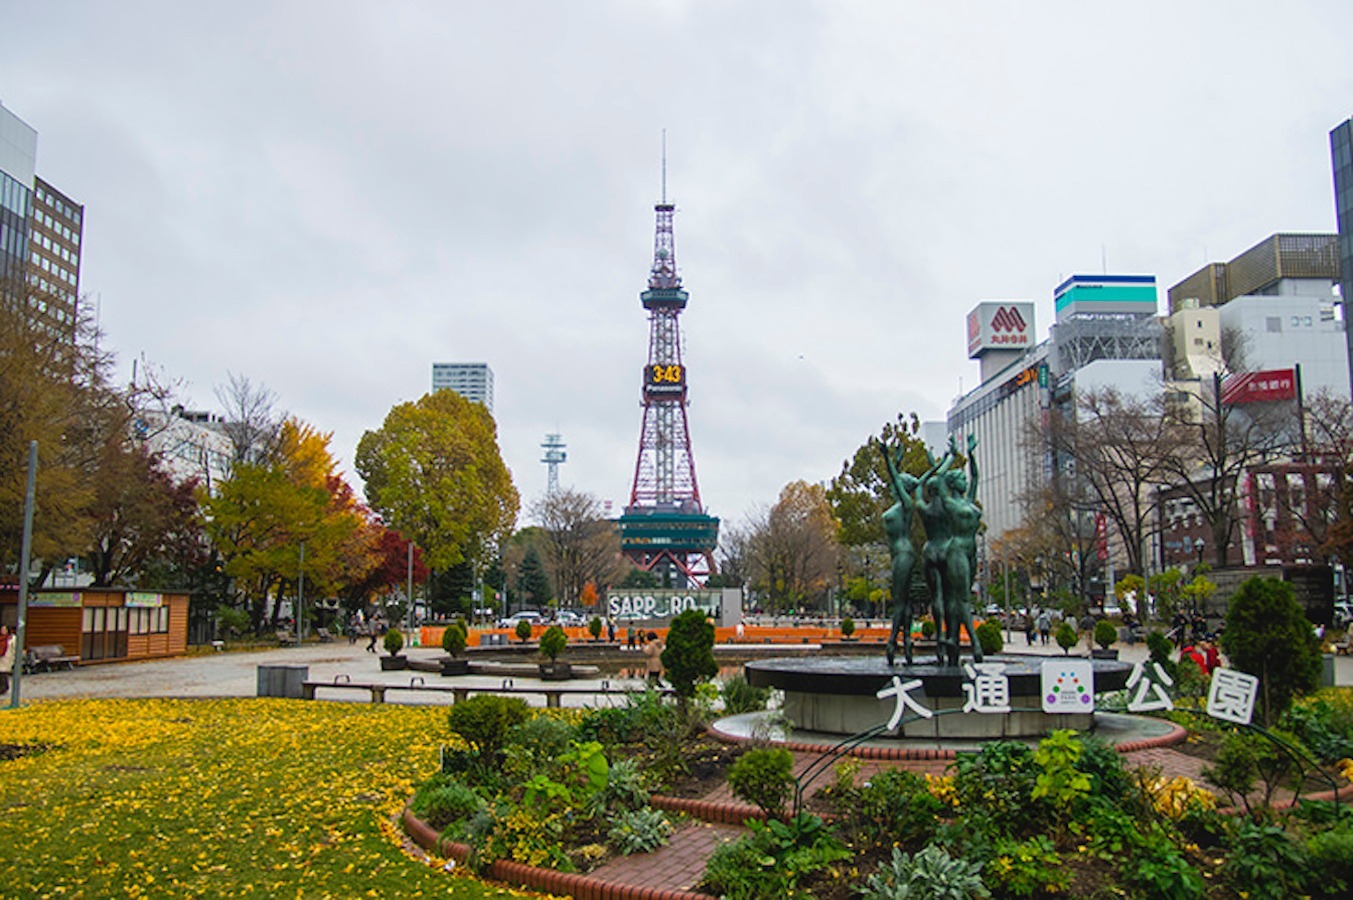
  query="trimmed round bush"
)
[
  {"x": 553, "y": 642},
  {"x": 764, "y": 777},
  {"x": 485, "y": 720},
  {"x": 989, "y": 637},
  {"x": 1105, "y": 633},
  {"x": 454, "y": 637}
]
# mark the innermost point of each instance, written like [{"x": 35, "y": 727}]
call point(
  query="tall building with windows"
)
[
  {"x": 1341, "y": 148},
  {"x": 473, "y": 381},
  {"x": 40, "y": 233},
  {"x": 18, "y": 162}
]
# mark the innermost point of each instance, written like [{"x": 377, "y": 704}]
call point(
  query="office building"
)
[
  {"x": 1271, "y": 308},
  {"x": 1341, "y": 149},
  {"x": 473, "y": 381},
  {"x": 1106, "y": 335},
  {"x": 40, "y": 233},
  {"x": 190, "y": 444},
  {"x": 1003, "y": 412},
  {"x": 18, "y": 160}
]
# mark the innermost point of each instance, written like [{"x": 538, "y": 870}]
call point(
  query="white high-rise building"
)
[{"x": 473, "y": 381}]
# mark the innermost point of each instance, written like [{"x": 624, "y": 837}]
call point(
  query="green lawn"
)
[{"x": 200, "y": 798}]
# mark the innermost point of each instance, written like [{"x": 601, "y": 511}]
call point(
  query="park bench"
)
[
  {"x": 286, "y": 638},
  {"x": 459, "y": 693},
  {"x": 48, "y": 658}
]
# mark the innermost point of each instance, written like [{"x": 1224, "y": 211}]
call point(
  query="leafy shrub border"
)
[{"x": 584, "y": 886}]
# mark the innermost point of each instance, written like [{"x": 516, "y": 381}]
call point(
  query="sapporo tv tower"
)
[{"x": 664, "y": 529}]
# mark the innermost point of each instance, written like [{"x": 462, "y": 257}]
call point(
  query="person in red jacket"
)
[
  {"x": 1194, "y": 655},
  {"x": 1212, "y": 657}
]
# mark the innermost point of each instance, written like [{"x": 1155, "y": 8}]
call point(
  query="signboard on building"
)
[
  {"x": 1133, "y": 295},
  {"x": 1259, "y": 387},
  {"x": 56, "y": 599},
  {"x": 1000, "y": 325},
  {"x": 651, "y": 603}
]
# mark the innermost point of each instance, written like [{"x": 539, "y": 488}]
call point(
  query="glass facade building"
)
[
  {"x": 1341, "y": 149},
  {"x": 40, "y": 234},
  {"x": 18, "y": 154}
]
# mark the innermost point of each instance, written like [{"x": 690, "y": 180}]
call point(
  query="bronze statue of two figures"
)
[{"x": 944, "y": 499}]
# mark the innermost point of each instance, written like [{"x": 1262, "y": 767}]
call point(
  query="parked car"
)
[
  {"x": 529, "y": 615},
  {"x": 568, "y": 618}
]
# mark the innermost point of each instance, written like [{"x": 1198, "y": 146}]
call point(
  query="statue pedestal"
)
[{"x": 840, "y": 696}]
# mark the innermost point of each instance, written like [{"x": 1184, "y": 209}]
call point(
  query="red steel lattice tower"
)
[{"x": 664, "y": 528}]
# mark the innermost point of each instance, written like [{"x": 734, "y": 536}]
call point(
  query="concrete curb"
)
[{"x": 1176, "y": 735}]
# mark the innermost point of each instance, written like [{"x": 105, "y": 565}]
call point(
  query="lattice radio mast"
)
[{"x": 665, "y": 527}]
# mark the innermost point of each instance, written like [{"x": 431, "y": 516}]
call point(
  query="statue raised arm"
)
[
  {"x": 963, "y": 518},
  {"x": 897, "y": 529}
]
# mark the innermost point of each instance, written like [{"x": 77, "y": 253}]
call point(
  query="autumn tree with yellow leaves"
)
[
  {"x": 433, "y": 471},
  {"x": 269, "y": 507}
]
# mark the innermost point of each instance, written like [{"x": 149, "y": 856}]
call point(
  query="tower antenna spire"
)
[{"x": 664, "y": 165}]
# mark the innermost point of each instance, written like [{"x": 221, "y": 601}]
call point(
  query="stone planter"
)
[
  {"x": 394, "y": 663},
  {"x": 1099, "y": 653},
  {"x": 556, "y": 671},
  {"x": 452, "y": 666}
]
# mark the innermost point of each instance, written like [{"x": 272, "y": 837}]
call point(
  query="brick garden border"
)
[
  {"x": 550, "y": 881},
  {"x": 584, "y": 887}
]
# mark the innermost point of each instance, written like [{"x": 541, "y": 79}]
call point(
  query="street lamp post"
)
[
  {"x": 409, "y": 614},
  {"x": 300, "y": 592}
]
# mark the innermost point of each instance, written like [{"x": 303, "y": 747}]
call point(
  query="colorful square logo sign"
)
[{"x": 1068, "y": 686}]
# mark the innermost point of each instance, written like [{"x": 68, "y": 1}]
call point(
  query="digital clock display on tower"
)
[{"x": 664, "y": 379}]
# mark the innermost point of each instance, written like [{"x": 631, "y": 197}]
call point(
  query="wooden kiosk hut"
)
[{"x": 102, "y": 624}]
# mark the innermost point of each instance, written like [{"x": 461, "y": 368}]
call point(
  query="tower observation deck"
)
[{"x": 664, "y": 529}]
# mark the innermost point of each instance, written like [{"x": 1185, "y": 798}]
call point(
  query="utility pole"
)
[{"x": 25, "y": 559}]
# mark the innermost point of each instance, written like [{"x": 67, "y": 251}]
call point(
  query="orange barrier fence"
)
[{"x": 431, "y": 635}]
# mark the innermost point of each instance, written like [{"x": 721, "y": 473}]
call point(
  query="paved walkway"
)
[{"x": 235, "y": 674}]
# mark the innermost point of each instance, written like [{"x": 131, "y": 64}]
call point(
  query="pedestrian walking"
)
[
  {"x": 1029, "y": 628},
  {"x": 610, "y": 629},
  {"x": 1044, "y": 626},
  {"x": 373, "y": 632},
  {"x": 653, "y": 658},
  {"x": 7, "y": 642}
]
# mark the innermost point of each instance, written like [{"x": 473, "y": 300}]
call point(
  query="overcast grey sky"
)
[{"x": 328, "y": 197}]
